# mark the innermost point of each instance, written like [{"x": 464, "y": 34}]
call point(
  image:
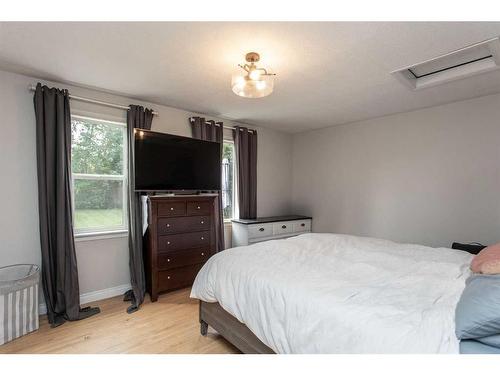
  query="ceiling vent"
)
[{"x": 475, "y": 59}]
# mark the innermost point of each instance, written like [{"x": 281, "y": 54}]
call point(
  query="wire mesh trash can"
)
[{"x": 18, "y": 300}]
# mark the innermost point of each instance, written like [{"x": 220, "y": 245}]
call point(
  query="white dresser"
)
[{"x": 248, "y": 231}]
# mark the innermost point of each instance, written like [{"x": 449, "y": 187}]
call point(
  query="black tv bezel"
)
[{"x": 174, "y": 191}]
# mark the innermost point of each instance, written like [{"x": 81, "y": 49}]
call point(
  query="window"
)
[
  {"x": 99, "y": 170},
  {"x": 228, "y": 180}
]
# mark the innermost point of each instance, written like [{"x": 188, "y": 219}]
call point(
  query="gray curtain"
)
[
  {"x": 245, "y": 145},
  {"x": 212, "y": 131},
  {"x": 53, "y": 150},
  {"x": 137, "y": 118}
]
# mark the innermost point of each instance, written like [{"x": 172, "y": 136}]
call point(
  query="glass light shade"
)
[
  {"x": 255, "y": 74},
  {"x": 245, "y": 87}
]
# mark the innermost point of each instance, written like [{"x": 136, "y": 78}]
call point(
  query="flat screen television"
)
[{"x": 165, "y": 162}]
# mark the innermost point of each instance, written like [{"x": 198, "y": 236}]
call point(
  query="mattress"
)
[
  {"x": 331, "y": 293},
  {"x": 476, "y": 347}
]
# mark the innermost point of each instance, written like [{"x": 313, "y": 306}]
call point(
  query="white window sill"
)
[{"x": 95, "y": 236}]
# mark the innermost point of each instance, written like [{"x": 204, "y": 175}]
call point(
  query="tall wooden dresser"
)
[{"x": 179, "y": 240}]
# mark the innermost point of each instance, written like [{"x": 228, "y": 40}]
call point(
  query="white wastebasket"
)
[{"x": 18, "y": 300}]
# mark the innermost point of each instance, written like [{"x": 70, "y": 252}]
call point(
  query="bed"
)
[{"x": 331, "y": 293}]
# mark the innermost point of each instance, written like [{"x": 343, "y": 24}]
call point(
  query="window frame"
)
[
  {"x": 101, "y": 232},
  {"x": 233, "y": 195}
]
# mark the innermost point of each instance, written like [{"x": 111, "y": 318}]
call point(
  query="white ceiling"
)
[{"x": 328, "y": 72}]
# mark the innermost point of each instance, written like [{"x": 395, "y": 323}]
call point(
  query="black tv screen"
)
[{"x": 165, "y": 162}]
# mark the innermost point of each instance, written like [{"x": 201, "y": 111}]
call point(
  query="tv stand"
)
[{"x": 186, "y": 194}]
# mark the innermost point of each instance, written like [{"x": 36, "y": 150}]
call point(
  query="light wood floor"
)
[{"x": 167, "y": 326}]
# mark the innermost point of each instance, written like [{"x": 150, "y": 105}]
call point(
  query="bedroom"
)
[{"x": 166, "y": 203}]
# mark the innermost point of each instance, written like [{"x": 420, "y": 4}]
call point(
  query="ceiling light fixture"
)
[{"x": 254, "y": 82}]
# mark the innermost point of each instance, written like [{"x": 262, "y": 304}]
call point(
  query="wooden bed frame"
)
[{"x": 238, "y": 334}]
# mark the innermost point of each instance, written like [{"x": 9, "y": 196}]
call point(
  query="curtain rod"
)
[
  {"x": 94, "y": 101},
  {"x": 191, "y": 119}
]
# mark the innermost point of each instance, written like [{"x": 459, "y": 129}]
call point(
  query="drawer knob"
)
[
  {"x": 198, "y": 207},
  {"x": 168, "y": 225},
  {"x": 202, "y": 238},
  {"x": 168, "y": 242},
  {"x": 168, "y": 260},
  {"x": 302, "y": 225},
  {"x": 261, "y": 229},
  {"x": 202, "y": 254},
  {"x": 202, "y": 222},
  {"x": 168, "y": 277},
  {"x": 171, "y": 208},
  {"x": 283, "y": 227}
]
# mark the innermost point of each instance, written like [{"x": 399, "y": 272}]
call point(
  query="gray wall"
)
[
  {"x": 102, "y": 263},
  {"x": 431, "y": 176}
]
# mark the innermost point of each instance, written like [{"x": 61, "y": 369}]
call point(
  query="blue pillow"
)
[{"x": 478, "y": 312}]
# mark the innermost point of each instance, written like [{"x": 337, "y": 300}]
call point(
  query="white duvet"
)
[{"x": 328, "y": 293}]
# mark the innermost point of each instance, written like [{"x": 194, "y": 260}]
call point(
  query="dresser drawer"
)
[
  {"x": 260, "y": 230},
  {"x": 282, "y": 227},
  {"x": 183, "y": 224},
  {"x": 182, "y": 258},
  {"x": 183, "y": 241},
  {"x": 199, "y": 208},
  {"x": 172, "y": 209},
  {"x": 302, "y": 226},
  {"x": 177, "y": 277}
]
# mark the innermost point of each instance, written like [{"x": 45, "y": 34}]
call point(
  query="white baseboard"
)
[
  {"x": 94, "y": 296},
  {"x": 104, "y": 293}
]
